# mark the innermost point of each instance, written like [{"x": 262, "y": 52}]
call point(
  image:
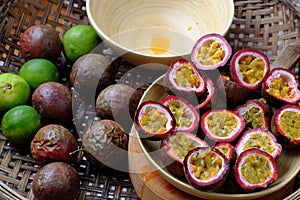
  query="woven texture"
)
[{"x": 264, "y": 25}]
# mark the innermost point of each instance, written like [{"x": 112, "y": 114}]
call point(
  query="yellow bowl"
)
[{"x": 157, "y": 31}]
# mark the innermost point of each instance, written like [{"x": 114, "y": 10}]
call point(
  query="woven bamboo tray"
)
[{"x": 266, "y": 25}]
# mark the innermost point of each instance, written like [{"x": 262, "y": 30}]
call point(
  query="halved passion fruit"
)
[
  {"x": 184, "y": 80},
  {"x": 176, "y": 146},
  {"x": 228, "y": 150},
  {"x": 286, "y": 125},
  {"x": 255, "y": 170},
  {"x": 210, "y": 97},
  {"x": 222, "y": 125},
  {"x": 261, "y": 139},
  {"x": 186, "y": 116},
  {"x": 249, "y": 67},
  {"x": 206, "y": 168},
  {"x": 254, "y": 113},
  {"x": 154, "y": 120},
  {"x": 280, "y": 87},
  {"x": 210, "y": 52}
]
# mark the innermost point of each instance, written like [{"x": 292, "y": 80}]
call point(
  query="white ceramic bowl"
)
[{"x": 157, "y": 31}]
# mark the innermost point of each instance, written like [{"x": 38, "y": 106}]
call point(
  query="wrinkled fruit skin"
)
[
  {"x": 118, "y": 102},
  {"x": 39, "y": 41},
  {"x": 53, "y": 143},
  {"x": 93, "y": 71},
  {"x": 54, "y": 102},
  {"x": 105, "y": 143},
  {"x": 56, "y": 180}
]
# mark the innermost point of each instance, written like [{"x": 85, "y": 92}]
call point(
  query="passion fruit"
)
[
  {"x": 210, "y": 97},
  {"x": 286, "y": 125},
  {"x": 222, "y": 125},
  {"x": 186, "y": 116},
  {"x": 210, "y": 52},
  {"x": 254, "y": 113},
  {"x": 248, "y": 67},
  {"x": 280, "y": 87},
  {"x": 184, "y": 80},
  {"x": 228, "y": 150},
  {"x": 206, "y": 168},
  {"x": 261, "y": 139},
  {"x": 105, "y": 143},
  {"x": 255, "y": 170},
  {"x": 154, "y": 121},
  {"x": 176, "y": 146}
]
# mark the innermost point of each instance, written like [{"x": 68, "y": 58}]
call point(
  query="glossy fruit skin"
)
[
  {"x": 143, "y": 133},
  {"x": 231, "y": 138},
  {"x": 53, "y": 143},
  {"x": 172, "y": 161},
  {"x": 246, "y": 137},
  {"x": 204, "y": 39},
  {"x": 53, "y": 101},
  {"x": 118, "y": 102},
  {"x": 234, "y": 68},
  {"x": 254, "y": 187},
  {"x": 40, "y": 41},
  {"x": 105, "y": 143},
  {"x": 189, "y": 110},
  {"x": 212, "y": 184},
  {"x": 38, "y": 71},
  {"x": 92, "y": 71},
  {"x": 20, "y": 123},
  {"x": 191, "y": 94},
  {"x": 255, "y": 103},
  {"x": 14, "y": 90},
  {"x": 293, "y": 84},
  {"x": 57, "y": 180},
  {"x": 282, "y": 137}
]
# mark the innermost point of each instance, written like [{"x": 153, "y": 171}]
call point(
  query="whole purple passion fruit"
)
[
  {"x": 261, "y": 139},
  {"x": 222, "y": 125},
  {"x": 154, "y": 120},
  {"x": 286, "y": 125},
  {"x": 56, "y": 180},
  {"x": 53, "y": 143},
  {"x": 186, "y": 116},
  {"x": 249, "y": 67},
  {"x": 210, "y": 52},
  {"x": 206, "y": 168},
  {"x": 184, "y": 80},
  {"x": 40, "y": 41},
  {"x": 255, "y": 170},
  {"x": 105, "y": 143},
  {"x": 280, "y": 87},
  {"x": 176, "y": 146},
  {"x": 254, "y": 113}
]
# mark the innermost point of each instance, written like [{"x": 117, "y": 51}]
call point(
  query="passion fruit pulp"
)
[
  {"x": 249, "y": 67},
  {"x": 184, "y": 80},
  {"x": 222, "y": 125},
  {"x": 261, "y": 139},
  {"x": 280, "y": 87},
  {"x": 228, "y": 150},
  {"x": 286, "y": 125},
  {"x": 206, "y": 168},
  {"x": 210, "y": 52},
  {"x": 176, "y": 146},
  {"x": 254, "y": 113},
  {"x": 255, "y": 170},
  {"x": 154, "y": 121},
  {"x": 186, "y": 116}
]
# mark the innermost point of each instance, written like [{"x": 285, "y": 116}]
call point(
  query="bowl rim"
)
[{"x": 106, "y": 38}]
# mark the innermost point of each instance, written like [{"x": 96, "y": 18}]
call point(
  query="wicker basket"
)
[{"x": 266, "y": 25}]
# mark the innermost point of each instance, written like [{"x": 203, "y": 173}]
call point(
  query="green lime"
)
[
  {"x": 14, "y": 91},
  {"x": 37, "y": 71},
  {"x": 79, "y": 40},
  {"x": 20, "y": 124}
]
